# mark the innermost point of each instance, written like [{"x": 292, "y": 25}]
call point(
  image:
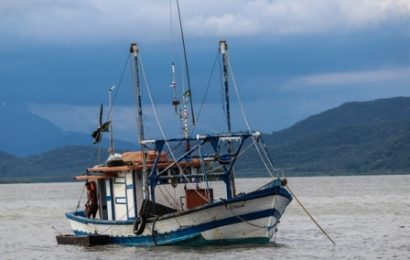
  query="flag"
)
[{"x": 97, "y": 134}]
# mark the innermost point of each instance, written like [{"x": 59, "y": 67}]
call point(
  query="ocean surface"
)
[{"x": 367, "y": 216}]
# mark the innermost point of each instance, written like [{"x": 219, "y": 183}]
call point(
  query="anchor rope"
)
[{"x": 310, "y": 216}]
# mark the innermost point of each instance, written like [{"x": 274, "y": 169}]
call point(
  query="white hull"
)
[{"x": 246, "y": 219}]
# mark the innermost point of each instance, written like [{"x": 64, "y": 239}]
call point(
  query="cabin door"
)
[{"x": 123, "y": 197}]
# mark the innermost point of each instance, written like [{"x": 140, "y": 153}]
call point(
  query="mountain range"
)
[
  {"x": 371, "y": 137},
  {"x": 24, "y": 134}
]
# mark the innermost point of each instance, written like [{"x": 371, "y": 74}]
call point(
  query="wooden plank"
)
[{"x": 90, "y": 240}]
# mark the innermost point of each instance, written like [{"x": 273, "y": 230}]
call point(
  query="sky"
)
[{"x": 289, "y": 59}]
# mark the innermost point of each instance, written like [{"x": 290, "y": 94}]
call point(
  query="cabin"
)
[
  {"x": 178, "y": 182},
  {"x": 119, "y": 183}
]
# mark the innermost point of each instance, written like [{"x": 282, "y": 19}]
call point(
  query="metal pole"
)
[
  {"x": 135, "y": 76},
  {"x": 223, "y": 48}
]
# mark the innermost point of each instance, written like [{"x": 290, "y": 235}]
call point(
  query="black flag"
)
[{"x": 103, "y": 127}]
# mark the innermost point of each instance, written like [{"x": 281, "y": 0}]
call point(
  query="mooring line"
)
[
  {"x": 58, "y": 231},
  {"x": 307, "y": 212}
]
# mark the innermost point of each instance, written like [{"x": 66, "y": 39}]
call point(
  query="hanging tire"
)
[{"x": 139, "y": 226}]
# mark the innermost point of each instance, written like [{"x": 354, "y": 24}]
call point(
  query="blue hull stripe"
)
[
  {"x": 194, "y": 232},
  {"x": 191, "y": 232}
]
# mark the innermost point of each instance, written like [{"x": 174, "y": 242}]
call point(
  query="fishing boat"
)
[{"x": 181, "y": 191}]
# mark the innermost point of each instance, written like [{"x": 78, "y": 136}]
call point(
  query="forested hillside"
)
[{"x": 355, "y": 138}]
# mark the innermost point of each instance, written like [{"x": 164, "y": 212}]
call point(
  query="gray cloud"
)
[{"x": 92, "y": 20}]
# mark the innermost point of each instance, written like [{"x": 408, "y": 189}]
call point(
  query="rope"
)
[
  {"x": 310, "y": 216},
  {"x": 79, "y": 200},
  {"x": 56, "y": 230},
  {"x": 111, "y": 226},
  {"x": 153, "y": 230},
  {"x": 266, "y": 153},
  {"x": 176, "y": 203},
  {"x": 245, "y": 221}
]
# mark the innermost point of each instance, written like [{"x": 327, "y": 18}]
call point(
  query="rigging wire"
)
[
  {"x": 207, "y": 88},
  {"x": 207, "y": 127},
  {"x": 175, "y": 204},
  {"x": 246, "y": 120},
  {"x": 97, "y": 155},
  {"x": 173, "y": 41},
  {"x": 186, "y": 64},
  {"x": 267, "y": 157},
  {"x": 119, "y": 84},
  {"x": 160, "y": 125}
]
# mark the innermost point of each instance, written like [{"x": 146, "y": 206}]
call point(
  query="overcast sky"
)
[{"x": 290, "y": 59}]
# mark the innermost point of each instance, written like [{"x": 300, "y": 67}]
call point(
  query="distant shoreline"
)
[{"x": 290, "y": 175}]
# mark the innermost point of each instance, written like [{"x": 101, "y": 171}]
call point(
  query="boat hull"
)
[{"x": 250, "y": 218}]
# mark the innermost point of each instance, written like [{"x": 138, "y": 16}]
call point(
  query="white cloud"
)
[
  {"x": 101, "y": 20},
  {"x": 348, "y": 78}
]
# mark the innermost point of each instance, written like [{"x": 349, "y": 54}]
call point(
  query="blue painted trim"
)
[
  {"x": 275, "y": 190},
  {"x": 130, "y": 186},
  {"x": 81, "y": 218},
  {"x": 108, "y": 198},
  {"x": 201, "y": 241}
]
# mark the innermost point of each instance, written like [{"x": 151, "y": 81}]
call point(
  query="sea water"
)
[{"x": 367, "y": 216}]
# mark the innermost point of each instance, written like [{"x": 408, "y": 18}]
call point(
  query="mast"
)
[
  {"x": 134, "y": 52},
  {"x": 223, "y": 49}
]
